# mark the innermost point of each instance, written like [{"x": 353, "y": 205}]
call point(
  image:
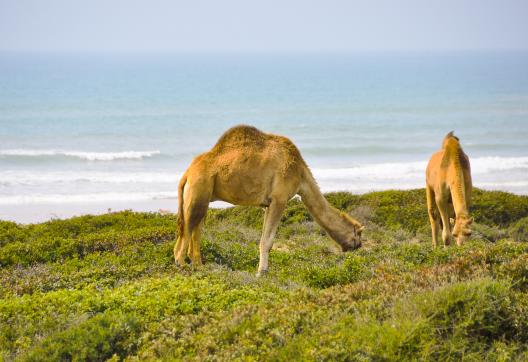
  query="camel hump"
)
[
  {"x": 243, "y": 130},
  {"x": 451, "y": 135},
  {"x": 240, "y": 136},
  {"x": 450, "y": 140}
]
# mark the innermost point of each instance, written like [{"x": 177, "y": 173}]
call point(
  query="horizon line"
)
[{"x": 258, "y": 52}]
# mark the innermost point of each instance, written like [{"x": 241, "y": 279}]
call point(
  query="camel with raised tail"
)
[
  {"x": 448, "y": 190},
  {"x": 252, "y": 168}
]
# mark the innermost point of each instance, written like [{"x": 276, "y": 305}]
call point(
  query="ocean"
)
[{"x": 86, "y": 133}]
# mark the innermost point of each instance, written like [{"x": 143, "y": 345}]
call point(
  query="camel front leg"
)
[
  {"x": 444, "y": 214},
  {"x": 271, "y": 222}
]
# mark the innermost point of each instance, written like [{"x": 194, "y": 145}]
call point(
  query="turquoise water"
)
[{"x": 77, "y": 130}]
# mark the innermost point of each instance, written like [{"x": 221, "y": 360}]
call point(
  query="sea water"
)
[{"x": 84, "y": 133}]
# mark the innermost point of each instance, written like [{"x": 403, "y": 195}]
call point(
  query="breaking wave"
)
[{"x": 87, "y": 156}]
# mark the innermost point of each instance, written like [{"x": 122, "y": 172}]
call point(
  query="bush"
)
[
  {"x": 352, "y": 268},
  {"x": 498, "y": 208},
  {"x": 106, "y": 287},
  {"x": 52, "y": 248},
  {"x": 96, "y": 339},
  {"x": 399, "y": 209},
  {"x": 519, "y": 231}
]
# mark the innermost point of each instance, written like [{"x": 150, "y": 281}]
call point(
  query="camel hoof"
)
[
  {"x": 196, "y": 263},
  {"x": 262, "y": 273},
  {"x": 180, "y": 263}
]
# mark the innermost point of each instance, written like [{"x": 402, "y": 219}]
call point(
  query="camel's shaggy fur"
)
[
  {"x": 448, "y": 188},
  {"x": 249, "y": 167}
]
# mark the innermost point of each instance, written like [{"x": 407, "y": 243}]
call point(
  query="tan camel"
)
[
  {"x": 448, "y": 190},
  {"x": 249, "y": 167}
]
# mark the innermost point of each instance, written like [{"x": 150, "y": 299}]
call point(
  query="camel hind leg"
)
[
  {"x": 194, "y": 246},
  {"x": 177, "y": 253},
  {"x": 196, "y": 199},
  {"x": 433, "y": 215}
]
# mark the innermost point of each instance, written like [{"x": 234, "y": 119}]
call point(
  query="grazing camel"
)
[
  {"x": 252, "y": 168},
  {"x": 448, "y": 190}
]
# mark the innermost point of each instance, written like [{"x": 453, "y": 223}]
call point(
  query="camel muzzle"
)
[{"x": 350, "y": 247}]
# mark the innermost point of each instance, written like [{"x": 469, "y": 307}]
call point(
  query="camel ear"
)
[
  {"x": 361, "y": 228},
  {"x": 452, "y": 221}
]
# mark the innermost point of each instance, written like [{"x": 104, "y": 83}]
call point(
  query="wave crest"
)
[
  {"x": 86, "y": 198},
  {"x": 88, "y": 156}
]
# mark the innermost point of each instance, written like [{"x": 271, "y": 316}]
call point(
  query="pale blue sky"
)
[{"x": 262, "y": 26}]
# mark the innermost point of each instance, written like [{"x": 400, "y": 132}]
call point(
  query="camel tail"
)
[{"x": 181, "y": 221}]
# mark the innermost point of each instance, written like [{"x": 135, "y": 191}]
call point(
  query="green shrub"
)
[
  {"x": 498, "y": 208},
  {"x": 96, "y": 339},
  {"x": 399, "y": 209},
  {"x": 242, "y": 215},
  {"x": 351, "y": 269},
  {"x": 519, "y": 231},
  {"x": 477, "y": 311},
  {"x": 106, "y": 287},
  {"x": 486, "y": 232},
  {"x": 10, "y": 231},
  {"x": 52, "y": 249}
]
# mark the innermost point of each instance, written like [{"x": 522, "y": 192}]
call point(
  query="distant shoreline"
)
[{"x": 37, "y": 213}]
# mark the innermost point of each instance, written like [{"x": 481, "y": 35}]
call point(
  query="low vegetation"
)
[{"x": 106, "y": 287}]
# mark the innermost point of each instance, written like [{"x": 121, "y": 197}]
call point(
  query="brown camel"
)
[
  {"x": 252, "y": 168},
  {"x": 448, "y": 189}
]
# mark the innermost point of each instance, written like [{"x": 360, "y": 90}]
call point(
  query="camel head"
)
[
  {"x": 462, "y": 228},
  {"x": 351, "y": 238}
]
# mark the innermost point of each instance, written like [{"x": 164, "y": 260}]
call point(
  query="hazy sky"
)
[{"x": 262, "y": 26}]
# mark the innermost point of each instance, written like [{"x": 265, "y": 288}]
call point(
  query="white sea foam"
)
[
  {"x": 385, "y": 172},
  {"x": 506, "y": 185},
  {"x": 36, "y": 178},
  {"x": 85, "y": 198},
  {"x": 406, "y": 170},
  {"x": 89, "y": 156},
  {"x": 34, "y": 187}
]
